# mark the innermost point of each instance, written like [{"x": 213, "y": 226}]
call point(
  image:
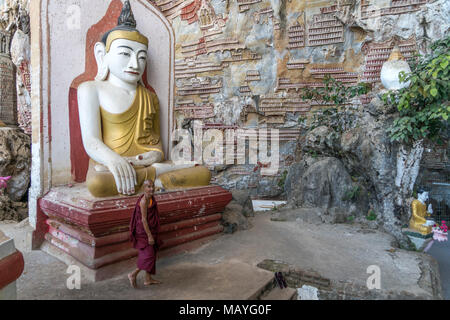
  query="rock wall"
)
[
  {"x": 15, "y": 21},
  {"x": 8, "y": 103},
  {"x": 435, "y": 175},
  {"x": 241, "y": 63},
  {"x": 15, "y": 162},
  {"x": 12, "y": 14},
  {"x": 15, "y": 108}
]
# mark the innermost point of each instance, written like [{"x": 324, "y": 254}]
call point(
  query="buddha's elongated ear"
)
[
  {"x": 141, "y": 81},
  {"x": 102, "y": 65}
]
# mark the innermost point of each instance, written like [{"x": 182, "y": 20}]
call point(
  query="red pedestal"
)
[
  {"x": 95, "y": 231},
  {"x": 11, "y": 268}
]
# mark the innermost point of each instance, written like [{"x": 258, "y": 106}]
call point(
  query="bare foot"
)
[
  {"x": 151, "y": 282},
  {"x": 132, "y": 280}
]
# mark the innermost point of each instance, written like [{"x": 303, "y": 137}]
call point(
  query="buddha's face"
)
[{"x": 127, "y": 59}]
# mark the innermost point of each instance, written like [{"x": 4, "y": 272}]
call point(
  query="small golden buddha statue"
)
[
  {"x": 119, "y": 120},
  {"x": 418, "y": 220}
]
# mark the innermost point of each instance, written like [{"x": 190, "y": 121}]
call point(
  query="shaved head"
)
[{"x": 149, "y": 183}]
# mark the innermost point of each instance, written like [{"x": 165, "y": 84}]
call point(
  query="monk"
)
[{"x": 144, "y": 233}]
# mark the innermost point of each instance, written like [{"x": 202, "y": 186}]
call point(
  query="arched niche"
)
[{"x": 69, "y": 31}]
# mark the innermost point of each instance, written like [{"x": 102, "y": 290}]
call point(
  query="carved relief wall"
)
[
  {"x": 242, "y": 63},
  {"x": 15, "y": 22}
]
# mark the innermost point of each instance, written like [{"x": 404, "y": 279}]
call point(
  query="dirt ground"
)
[{"x": 226, "y": 267}]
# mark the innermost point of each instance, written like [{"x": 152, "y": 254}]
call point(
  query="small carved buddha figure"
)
[
  {"x": 119, "y": 120},
  {"x": 418, "y": 220}
]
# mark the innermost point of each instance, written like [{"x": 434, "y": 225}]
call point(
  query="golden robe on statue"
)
[
  {"x": 133, "y": 132},
  {"x": 418, "y": 218}
]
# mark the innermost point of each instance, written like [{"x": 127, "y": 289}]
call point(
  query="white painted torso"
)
[
  {"x": 115, "y": 92},
  {"x": 112, "y": 98}
]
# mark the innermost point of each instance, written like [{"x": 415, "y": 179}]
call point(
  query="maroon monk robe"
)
[{"x": 147, "y": 253}]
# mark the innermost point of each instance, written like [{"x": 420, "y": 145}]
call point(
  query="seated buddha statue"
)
[
  {"x": 119, "y": 120},
  {"x": 418, "y": 220}
]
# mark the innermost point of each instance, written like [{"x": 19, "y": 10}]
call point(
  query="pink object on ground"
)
[
  {"x": 439, "y": 235},
  {"x": 3, "y": 182}
]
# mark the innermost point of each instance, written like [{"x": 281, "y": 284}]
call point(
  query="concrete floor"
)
[{"x": 226, "y": 267}]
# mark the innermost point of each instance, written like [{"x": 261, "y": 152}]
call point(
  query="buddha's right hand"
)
[
  {"x": 145, "y": 159},
  {"x": 124, "y": 175}
]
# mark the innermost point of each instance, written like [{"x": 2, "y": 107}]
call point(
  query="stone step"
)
[
  {"x": 280, "y": 294},
  {"x": 263, "y": 287},
  {"x": 227, "y": 280},
  {"x": 6, "y": 246}
]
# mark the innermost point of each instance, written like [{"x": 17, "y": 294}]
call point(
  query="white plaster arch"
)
[{"x": 58, "y": 56}]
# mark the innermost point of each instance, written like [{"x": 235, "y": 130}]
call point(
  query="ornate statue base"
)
[
  {"x": 93, "y": 232},
  {"x": 419, "y": 240}
]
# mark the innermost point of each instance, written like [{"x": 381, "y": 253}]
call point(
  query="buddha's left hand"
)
[{"x": 430, "y": 209}]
